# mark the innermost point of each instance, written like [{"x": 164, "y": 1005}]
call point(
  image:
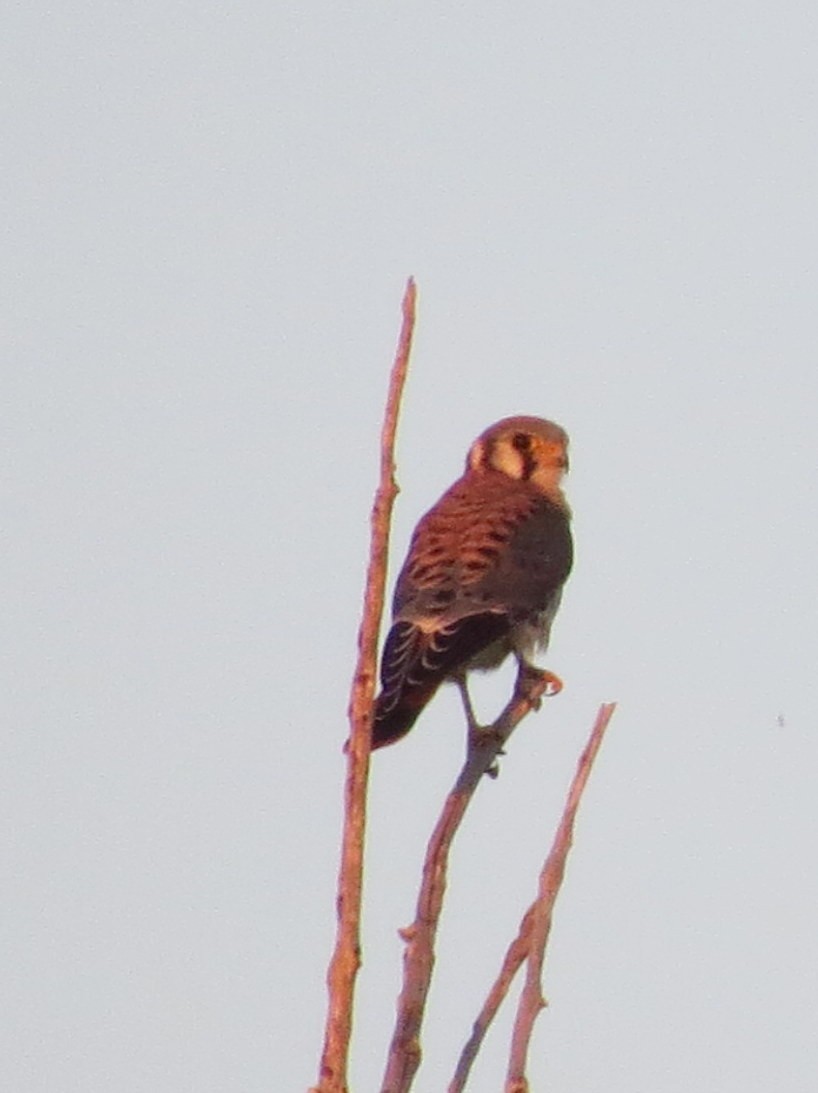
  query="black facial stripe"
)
[{"x": 522, "y": 443}]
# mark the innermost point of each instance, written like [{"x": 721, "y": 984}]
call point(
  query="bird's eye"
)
[{"x": 521, "y": 441}]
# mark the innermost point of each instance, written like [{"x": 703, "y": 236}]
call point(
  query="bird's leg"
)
[
  {"x": 478, "y": 735},
  {"x": 529, "y": 676},
  {"x": 468, "y": 708}
]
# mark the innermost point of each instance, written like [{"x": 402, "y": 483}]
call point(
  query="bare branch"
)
[
  {"x": 531, "y": 999},
  {"x": 520, "y": 947},
  {"x": 346, "y": 957},
  {"x": 515, "y": 955},
  {"x": 418, "y": 961}
]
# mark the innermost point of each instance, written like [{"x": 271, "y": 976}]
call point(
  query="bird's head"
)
[{"x": 524, "y": 448}]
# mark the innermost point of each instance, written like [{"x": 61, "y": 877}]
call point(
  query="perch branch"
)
[
  {"x": 346, "y": 958},
  {"x": 418, "y": 961}
]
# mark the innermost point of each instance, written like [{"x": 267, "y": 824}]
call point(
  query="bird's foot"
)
[{"x": 531, "y": 679}]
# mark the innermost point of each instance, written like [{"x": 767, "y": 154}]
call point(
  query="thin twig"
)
[
  {"x": 515, "y": 955},
  {"x": 520, "y": 947},
  {"x": 531, "y": 998},
  {"x": 418, "y": 961},
  {"x": 346, "y": 957}
]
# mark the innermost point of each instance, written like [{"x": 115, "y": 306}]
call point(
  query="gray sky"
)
[{"x": 210, "y": 215}]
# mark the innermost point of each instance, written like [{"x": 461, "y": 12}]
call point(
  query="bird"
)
[{"x": 483, "y": 576}]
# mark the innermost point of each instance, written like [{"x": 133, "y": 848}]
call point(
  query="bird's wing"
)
[
  {"x": 488, "y": 545},
  {"x": 529, "y": 571}
]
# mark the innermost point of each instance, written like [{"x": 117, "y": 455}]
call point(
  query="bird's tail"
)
[
  {"x": 394, "y": 718},
  {"x": 415, "y": 662}
]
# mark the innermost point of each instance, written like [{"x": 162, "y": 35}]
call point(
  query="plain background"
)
[{"x": 209, "y": 216}]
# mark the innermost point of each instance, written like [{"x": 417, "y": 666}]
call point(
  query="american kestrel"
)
[{"x": 484, "y": 573}]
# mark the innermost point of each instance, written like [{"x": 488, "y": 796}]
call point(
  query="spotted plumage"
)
[{"x": 484, "y": 573}]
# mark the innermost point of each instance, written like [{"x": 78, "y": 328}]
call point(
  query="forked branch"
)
[
  {"x": 531, "y": 999},
  {"x": 418, "y": 960},
  {"x": 532, "y": 937}
]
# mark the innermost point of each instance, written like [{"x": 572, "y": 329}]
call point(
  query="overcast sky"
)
[{"x": 210, "y": 214}]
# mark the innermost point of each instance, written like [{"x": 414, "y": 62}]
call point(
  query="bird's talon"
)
[
  {"x": 553, "y": 684},
  {"x": 531, "y": 679}
]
